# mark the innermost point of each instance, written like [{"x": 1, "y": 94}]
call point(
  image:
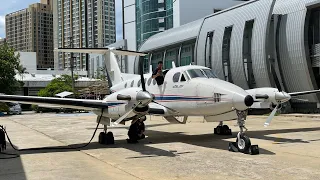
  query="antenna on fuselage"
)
[{"x": 173, "y": 64}]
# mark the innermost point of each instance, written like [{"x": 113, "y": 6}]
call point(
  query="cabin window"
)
[
  {"x": 132, "y": 83},
  {"x": 139, "y": 83},
  {"x": 176, "y": 77},
  {"x": 125, "y": 86},
  {"x": 154, "y": 82},
  {"x": 149, "y": 81}
]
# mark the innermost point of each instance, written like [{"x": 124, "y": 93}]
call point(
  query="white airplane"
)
[
  {"x": 186, "y": 91},
  {"x": 267, "y": 97}
]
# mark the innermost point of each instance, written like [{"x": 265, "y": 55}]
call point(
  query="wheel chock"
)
[
  {"x": 233, "y": 147},
  {"x": 253, "y": 150}
]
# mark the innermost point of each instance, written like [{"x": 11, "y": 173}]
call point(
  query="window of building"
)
[{"x": 226, "y": 54}]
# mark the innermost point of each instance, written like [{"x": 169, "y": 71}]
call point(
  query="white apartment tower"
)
[{"x": 82, "y": 24}]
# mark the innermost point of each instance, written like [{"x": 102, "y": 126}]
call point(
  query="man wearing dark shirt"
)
[{"x": 157, "y": 74}]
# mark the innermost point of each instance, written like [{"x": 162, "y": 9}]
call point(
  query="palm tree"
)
[{"x": 21, "y": 71}]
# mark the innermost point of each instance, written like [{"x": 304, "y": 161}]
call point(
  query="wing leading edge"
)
[{"x": 61, "y": 102}]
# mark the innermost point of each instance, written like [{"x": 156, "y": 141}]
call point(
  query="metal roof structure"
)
[{"x": 172, "y": 36}]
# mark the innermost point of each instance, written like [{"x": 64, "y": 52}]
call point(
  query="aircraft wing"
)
[
  {"x": 85, "y": 104},
  {"x": 100, "y": 51}
]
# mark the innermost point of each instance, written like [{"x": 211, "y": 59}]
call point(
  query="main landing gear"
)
[
  {"x": 106, "y": 138},
  {"x": 243, "y": 143},
  {"x": 222, "y": 129}
]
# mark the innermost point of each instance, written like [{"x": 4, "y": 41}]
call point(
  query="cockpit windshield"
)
[
  {"x": 209, "y": 73},
  {"x": 195, "y": 73},
  {"x": 202, "y": 73}
]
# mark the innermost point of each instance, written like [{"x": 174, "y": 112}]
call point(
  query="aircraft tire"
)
[
  {"x": 219, "y": 130},
  {"x": 243, "y": 144},
  {"x": 106, "y": 138},
  {"x": 226, "y": 130}
]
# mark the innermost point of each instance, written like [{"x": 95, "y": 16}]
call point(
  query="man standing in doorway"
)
[{"x": 157, "y": 74}]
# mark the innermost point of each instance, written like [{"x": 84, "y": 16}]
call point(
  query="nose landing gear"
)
[{"x": 243, "y": 143}]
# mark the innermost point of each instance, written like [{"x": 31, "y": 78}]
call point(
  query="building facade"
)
[
  {"x": 241, "y": 42},
  {"x": 81, "y": 24},
  {"x": 31, "y": 30},
  {"x": 144, "y": 18}
]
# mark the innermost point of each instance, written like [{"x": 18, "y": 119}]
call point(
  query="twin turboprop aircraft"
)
[{"x": 186, "y": 91}]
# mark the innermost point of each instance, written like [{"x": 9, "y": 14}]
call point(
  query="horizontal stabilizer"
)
[{"x": 100, "y": 51}]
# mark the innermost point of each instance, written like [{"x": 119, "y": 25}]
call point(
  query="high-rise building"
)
[
  {"x": 81, "y": 24},
  {"x": 31, "y": 30}
]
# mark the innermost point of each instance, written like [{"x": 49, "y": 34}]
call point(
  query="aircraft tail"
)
[{"x": 112, "y": 66}]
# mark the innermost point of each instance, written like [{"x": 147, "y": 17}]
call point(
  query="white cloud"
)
[
  {"x": 119, "y": 20},
  {"x": 2, "y": 21},
  {"x": 2, "y": 25}
]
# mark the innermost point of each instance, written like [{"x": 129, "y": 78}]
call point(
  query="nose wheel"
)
[{"x": 243, "y": 143}]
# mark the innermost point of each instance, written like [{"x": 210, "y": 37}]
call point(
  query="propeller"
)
[
  {"x": 143, "y": 97},
  {"x": 281, "y": 96},
  {"x": 268, "y": 121},
  {"x": 125, "y": 115}
]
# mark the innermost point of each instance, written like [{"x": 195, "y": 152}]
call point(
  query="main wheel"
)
[
  {"x": 106, "y": 138},
  {"x": 226, "y": 130},
  {"x": 219, "y": 130},
  {"x": 243, "y": 143},
  {"x": 109, "y": 138},
  {"x": 102, "y": 138}
]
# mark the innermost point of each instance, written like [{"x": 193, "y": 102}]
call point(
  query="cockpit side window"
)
[
  {"x": 182, "y": 78},
  {"x": 176, "y": 77}
]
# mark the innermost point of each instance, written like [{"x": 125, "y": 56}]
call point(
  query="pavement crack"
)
[{"x": 111, "y": 165}]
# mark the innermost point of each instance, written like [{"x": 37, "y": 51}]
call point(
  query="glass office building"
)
[{"x": 152, "y": 17}]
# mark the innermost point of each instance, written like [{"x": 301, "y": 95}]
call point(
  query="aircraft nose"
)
[
  {"x": 241, "y": 102},
  {"x": 248, "y": 100}
]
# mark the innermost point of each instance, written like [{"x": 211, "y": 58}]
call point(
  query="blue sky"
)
[{"x": 8, "y": 6}]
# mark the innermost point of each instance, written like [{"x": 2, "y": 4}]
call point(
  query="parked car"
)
[{"x": 14, "y": 108}]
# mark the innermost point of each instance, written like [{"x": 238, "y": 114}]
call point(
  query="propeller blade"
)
[
  {"x": 143, "y": 84},
  {"x": 275, "y": 77},
  {"x": 304, "y": 100},
  {"x": 268, "y": 121},
  {"x": 125, "y": 115},
  {"x": 165, "y": 107},
  {"x": 303, "y": 93}
]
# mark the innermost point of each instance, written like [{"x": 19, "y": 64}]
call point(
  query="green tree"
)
[
  {"x": 58, "y": 85},
  {"x": 9, "y": 66}
]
